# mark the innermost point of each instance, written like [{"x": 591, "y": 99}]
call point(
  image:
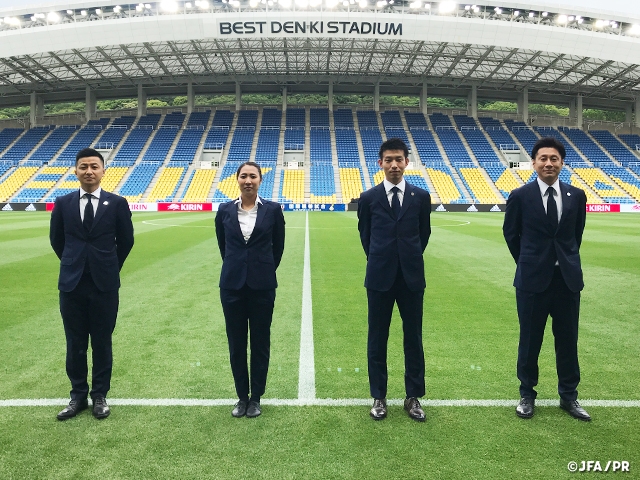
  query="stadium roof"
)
[{"x": 568, "y": 49}]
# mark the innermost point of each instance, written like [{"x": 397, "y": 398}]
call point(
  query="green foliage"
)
[
  {"x": 15, "y": 112},
  {"x": 180, "y": 101},
  {"x": 543, "y": 109},
  {"x": 498, "y": 106},
  {"x": 437, "y": 102},
  {"x": 308, "y": 99},
  {"x": 118, "y": 104},
  {"x": 353, "y": 99},
  {"x": 401, "y": 101},
  {"x": 206, "y": 100},
  {"x": 154, "y": 102},
  {"x": 607, "y": 115}
]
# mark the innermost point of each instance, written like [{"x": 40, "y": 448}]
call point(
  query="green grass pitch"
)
[{"x": 170, "y": 343}]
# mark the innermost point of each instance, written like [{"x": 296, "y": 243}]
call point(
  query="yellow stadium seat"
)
[
  {"x": 15, "y": 181},
  {"x": 444, "y": 185},
  {"x": 480, "y": 186},
  {"x": 200, "y": 186},
  {"x": 166, "y": 184}
]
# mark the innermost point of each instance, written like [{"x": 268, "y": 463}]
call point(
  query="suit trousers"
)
[
  {"x": 248, "y": 310},
  {"x": 533, "y": 310},
  {"x": 89, "y": 313},
  {"x": 410, "y": 305}
]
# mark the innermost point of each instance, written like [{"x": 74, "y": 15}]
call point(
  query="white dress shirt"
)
[
  {"x": 247, "y": 218},
  {"x": 95, "y": 200},
  {"x": 558, "y": 197},
  {"x": 388, "y": 186}
]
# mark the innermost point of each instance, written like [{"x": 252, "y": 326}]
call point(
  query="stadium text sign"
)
[
  {"x": 184, "y": 207},
  {"x": 603, "y": 208},
  {"x": 320, "y": 27}
]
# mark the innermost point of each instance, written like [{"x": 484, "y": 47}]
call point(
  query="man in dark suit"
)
[
  {"x": 394, "y": 225},
  {"x": 543, "y": 227},
  {"x": 92, "y": 234}
]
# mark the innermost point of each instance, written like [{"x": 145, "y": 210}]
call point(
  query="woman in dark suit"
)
[{"x": 250, "y": 232}]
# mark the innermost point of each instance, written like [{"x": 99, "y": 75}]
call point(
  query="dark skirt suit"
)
[{"x": 248, "y": 289}]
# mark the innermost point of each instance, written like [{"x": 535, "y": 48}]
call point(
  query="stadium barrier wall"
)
[{"x": 314, "y": 207}]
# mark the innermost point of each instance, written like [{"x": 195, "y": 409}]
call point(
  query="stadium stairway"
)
[{"x": 366, "y": 177}]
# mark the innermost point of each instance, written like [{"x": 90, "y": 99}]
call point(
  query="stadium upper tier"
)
[
  {"x": 459, "y": 161},
  {"x": 578, "y": 48}
]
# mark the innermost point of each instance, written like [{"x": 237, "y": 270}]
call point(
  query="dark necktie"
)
[
  {"x": 552, "y": 208},
  {"x": 395, "y": 201},
  {"x": 87, "y": 222}
]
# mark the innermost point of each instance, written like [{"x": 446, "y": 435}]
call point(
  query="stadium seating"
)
[
  {"x": 295, "y": 129},
  {"x": 292, "y": 186},
  {"x": 319, "y": 136},
  {"x": 502, "y": 177},
  {"x": 584, "y": 143},
  {"x": 323, "y": 186},
  {"x": 632, "y": 141},
  {"x": 601, "y": 185},
  {"x": 199, "y": 186},
  {"x": 448, "y": 135},
  {"x": 164, "y": 137},
  {"x": 56, "y": 139},
  {"x": 168, "y": 182},
  {"x": 138, "y": 181},
  {"x": 351, "y": 183},
  {"x": 393, "y": 127},
  {"x": 15, "y": 181},
  {"x": 477, "y": 185},
  {"x": 8, "y": 136},
  {"x": 113, "y": 134},
  {"x": 37, "y": 188},
  {"x": 478, "y": 143},
  {"x": 242, "y": 141},
  {"x": 523, "y": 133},
  {"x": 624, "y": 179},
  {"x": 269, "y": 136},
  {"x": 498, "y": 134},
  {"x": 190, "y": 137},
  {"x": 21, "y": 148},
  {"x": 572, "y": 158},
  {"x": 428, "y": 150},
  {"x": 444, "y": 183},
  {"x": 137, "y": 139},
  {"x": 218, "y": 134},
  {"x": 83, "y": 139},
  {"x": 615, "y": 147}
]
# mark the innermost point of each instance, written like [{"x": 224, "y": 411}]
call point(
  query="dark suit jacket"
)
[
  {"x": 535, "y": 245},
  {"x": 389, "y": 242},
  {"x": 104, "y": 248},
  {"x": 253, "y": 263}
]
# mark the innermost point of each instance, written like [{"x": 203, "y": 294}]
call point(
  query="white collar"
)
[
  {"x": 258, "y": 200},
  {"x": 544, "y": 187},
  {"x": 388, "y": 185},
  {"x": 95, "y": 193}
]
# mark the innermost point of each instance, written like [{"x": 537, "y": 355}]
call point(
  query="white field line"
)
[
  {"x": 315, "y": 402},
  {"x": 307, "y": 369}
]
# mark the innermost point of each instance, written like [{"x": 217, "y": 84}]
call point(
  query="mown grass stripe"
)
[{"x": 307, "y": 375}]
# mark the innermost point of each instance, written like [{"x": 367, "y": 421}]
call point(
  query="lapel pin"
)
[
  {"x": 412, "y": 194},
  {"x": 568, "y": 194},
  {"x": 105, "y": 203}
]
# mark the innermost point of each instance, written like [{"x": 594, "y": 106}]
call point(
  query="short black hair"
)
[
  {"x": 89, "y": 152},
  {"x": 250, "y": 164},
  {"x": 548, "y": 142},
  {"x": 393, "y": 144}
]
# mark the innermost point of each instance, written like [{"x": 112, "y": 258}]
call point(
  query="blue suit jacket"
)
[
  {"x": 535, "y": 245},
  {"x": 104, "y": 248},
  {"x": 253, "y": 263},
  {"x": 390, "y": 243}
]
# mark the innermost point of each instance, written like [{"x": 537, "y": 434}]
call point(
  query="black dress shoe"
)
[
  {"x": 101, "y": 408},
  {"x": 575, "y": 410},
  {"x": 414, "y": 409},
  {"x": 379, "y": 409},
  {"x": 525, "y": 407},
  {"x": 253, "y": 409},
  {"x": 240, "y": 409},
  {"x": 71, "y": 410}
]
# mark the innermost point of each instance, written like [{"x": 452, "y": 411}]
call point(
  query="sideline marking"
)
[
  {"x": 461, "y": 224},
  {"x": 307, "y": 369},
  {"x": 315, "y": 402},
  {"x": 151, "y": 222}
]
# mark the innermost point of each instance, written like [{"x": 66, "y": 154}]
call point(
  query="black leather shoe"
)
[
  {"x": 253, "y": 409},
  {"x": 575, "y": 410},
  {"x": 414, "y": 409},
  {"x": 525, "y": 407},
  {"x": 240, "y": 409},
  {"x": 71, "y": 410},
  {"x": 379, "y": 409},
  {"x": 101, "y": 408}
]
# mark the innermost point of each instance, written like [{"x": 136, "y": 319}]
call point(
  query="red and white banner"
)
[
  {"x": 143, "y": 207},
  {"x": 184, "y": 207},
  {"x": 630, "y": 207},
  {"x": 603, "y": 207}
]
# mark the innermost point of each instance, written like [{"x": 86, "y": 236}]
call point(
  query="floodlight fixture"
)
[
  {"x": 270, "y": 3},
  {"x": 33, "y": 18},
  {"x": 13, "y": 21},
  {"x": 447, "y": 7},
  {"x": 69, "y": 12},
  {"x": 427, "y": 6},
  {"x": 98, "y": 11},
  {"x": 634, "y": 30},
  {"x": 416, "y": 4},
  {"x": 600, "y": 23},
  {"x": 467, "y": 7},
  {"x": 83, "y": 13},
  {"x": 532, "y": 14},
  {"x": 188, "y": 5},
  {"x": 545, "y": 14},
  {"x": 53, "y": 17},
  {"x": 345, "y": 3},
  {"x": 614, "y": 24},
  {"x": 516, "y": 13},
  {"x": 571, "y": 18},
  {"x": 169, "y": 6},
  {"x": 139, "y": 8},
  {"x": 562, "y": 19},
  {"x": 283, "y": 3},
  {"x": 317, "y": 3},
  {"x": 391, "y": 2},
  {"x": 352, "y": 2},
  {"x": 147, "y": 6},
  {"x": 580, "y": 20},
  {"x": 498, "y": 11},
  {"x": 476, "y": 9},
  {"x": 39, "y": 15}
]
